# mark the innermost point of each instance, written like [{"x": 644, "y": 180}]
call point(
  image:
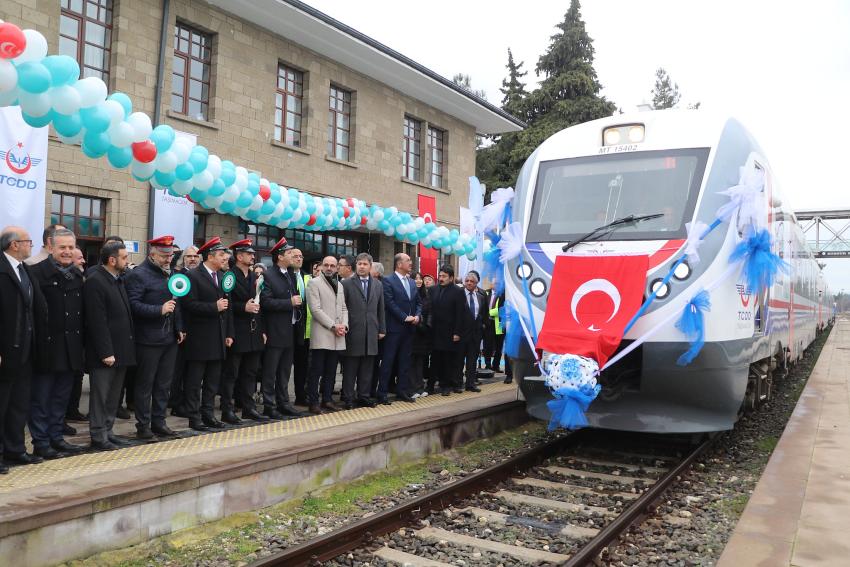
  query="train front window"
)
[{"x": 574, "y": 196}]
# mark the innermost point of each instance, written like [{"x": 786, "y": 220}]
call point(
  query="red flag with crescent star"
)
[{"x": 591, "y": 300}]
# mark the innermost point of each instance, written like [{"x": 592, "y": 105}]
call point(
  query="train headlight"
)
[
  {"x": 612, "y": 136},
  {"x": 636, "y": 134},
  {"x": 682, "y": 271},
  {"x": 537, "y": 287},
  {"x": 623, "y": 134},
  {"x": 659, "y": 288},
  {"x": 524, "y": 271}
]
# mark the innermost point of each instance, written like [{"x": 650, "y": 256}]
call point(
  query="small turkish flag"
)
[{"x": 591, "y": 300}]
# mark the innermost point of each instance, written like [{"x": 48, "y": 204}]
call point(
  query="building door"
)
[{"x": 86, "y": 217}]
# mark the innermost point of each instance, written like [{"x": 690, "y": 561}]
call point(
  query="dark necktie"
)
[
  {"x": 471, "y": 305},
  {"x": 215, "y": 278},
  {"x": 365, "y": 284},
  {"x": 25, "y": 280}
]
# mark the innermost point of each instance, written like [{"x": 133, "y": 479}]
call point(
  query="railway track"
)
[{"x": 567, "y": 500}]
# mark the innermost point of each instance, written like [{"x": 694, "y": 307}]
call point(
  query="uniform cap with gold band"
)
[
  {"x": 280, "y": 247},
  {"x": 163, "y": 244},
  {"x": 212, "y": 245},
  {"x": 244, "y": 245}
]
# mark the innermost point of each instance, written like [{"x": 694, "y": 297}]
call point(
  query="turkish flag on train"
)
[{"x": 591, "y": 300}]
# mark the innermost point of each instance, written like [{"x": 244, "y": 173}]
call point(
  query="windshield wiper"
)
[{"x": 610, "y": 227}]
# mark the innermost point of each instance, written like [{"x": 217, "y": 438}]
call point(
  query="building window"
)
[
  {"x": 85, "y": 33},
  {"x": 190, "y": 76},
  {"x": 436, "y": 140},
  {"x": 339, "y": 124},
  {"x": 287, "y": 101},
  {"x": 83, "y": 215},
  {"x": 199, "y": 233},
  {"x": 410, "y": 148},
  {"x": 340, "y": 245}
]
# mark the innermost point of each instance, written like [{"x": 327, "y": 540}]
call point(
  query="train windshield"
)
[{"x": 574, "y": 196}]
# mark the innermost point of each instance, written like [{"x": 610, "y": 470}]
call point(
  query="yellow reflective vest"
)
[
  {"x": 302, "y": 291},
  {"x": 494, "y": 313}
]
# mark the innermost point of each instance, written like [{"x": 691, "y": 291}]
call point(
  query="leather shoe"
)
[
  {"x": 273, "y": 414},
  {"x": 47, "y": 452},
  {"x": 163, "y": 431},
  {"x": 122, "y": 413},
  {"x": 473, "y": 389},
  {"x": 179, "y": 412},
  {"x": 289, "y": 409},
  {"x": 446, "y": 392},
  {"x": 301, "y": 402},
  {"x": 315, "y": 410},
  {"x": 103, "y": 446},
  {"x": 75, "y": 415},
  {"x": 64, "y": 447},
  {"x": 384, "y": 402},
  {"x": 212, "y": 423},
  {"x": 231, "y": 418},
  {"x": 509, "y": 379},
  {"x": 252, "y": 414},
  {"x": 405, "y": 398},
  {"x": 117, "y": 441},
  {"x": 329, "y": 406},
  {"x": 198, "y": 426},
  {"x": 4, "y": 469},
  {"x": 458, "y": 390},
  {"x": 68, "y": 430},
  {"x": 22, "y": 458},
  {"x": 364, "y": 403},
  {"x": 144, "y": 433}
]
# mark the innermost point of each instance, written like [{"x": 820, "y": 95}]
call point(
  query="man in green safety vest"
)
[
  {"x": 498, "y": 338},
  {"x": 301, "y": 331}
]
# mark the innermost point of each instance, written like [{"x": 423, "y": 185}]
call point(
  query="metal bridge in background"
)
[{"x": 827, "y": 231}]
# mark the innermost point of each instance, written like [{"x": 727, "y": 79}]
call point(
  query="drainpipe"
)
[{"x": 157, "y": 97}]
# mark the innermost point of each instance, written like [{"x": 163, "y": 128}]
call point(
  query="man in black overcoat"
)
[
  {"x": 475, "y": 317},
  {"x": 281, "y": 304},
  {"x": 159, "y": 329},
  {"x": 61, "y": 282},
  {"x": 447, "y": 322},
  {"x": 249, "y": 339},
  {"x": 110, "y": 346},
  {"x": 209, "y": 331},
  {"x": 23, "y": 317}
]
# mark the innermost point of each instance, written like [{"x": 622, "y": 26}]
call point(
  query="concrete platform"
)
[
  {"x": 799, "y": 513},
  {"x": 77, "y": 506}
]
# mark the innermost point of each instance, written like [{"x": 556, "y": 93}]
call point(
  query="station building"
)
[{"x": 275, "y": 86}]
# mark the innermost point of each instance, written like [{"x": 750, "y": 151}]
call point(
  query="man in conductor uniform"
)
[
  {"x": 159, "y": 329},
  {"x": 249, "y": 339},
  {"x": 209, "y": 331}
]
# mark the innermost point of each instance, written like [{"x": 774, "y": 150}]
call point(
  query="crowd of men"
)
[{"x": 390, "y": 333}]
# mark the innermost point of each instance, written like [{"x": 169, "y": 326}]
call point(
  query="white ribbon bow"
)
[
  {"x": 746, "y": 197},
  {"x": 695, "y": 232},
  {"x": 492, "y": 214},
  {"x": 511, "y": 242}
]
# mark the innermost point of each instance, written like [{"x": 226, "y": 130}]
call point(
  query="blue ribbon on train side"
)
[{"x": 692, "y": 324}]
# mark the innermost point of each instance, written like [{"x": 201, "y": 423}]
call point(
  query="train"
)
[{"x": 673, "y": 164}]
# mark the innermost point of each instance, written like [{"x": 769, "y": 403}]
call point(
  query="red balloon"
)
[
  {"x": 346, "y": 212},
  {"x": 312, "y": 220},
  {"x": 144, "y": 152},
  {"x": 12, "y": 41},
  {"x": 265, "y": 192},
  {"x": 350, "y": 201},
  {"x": 362, "y": 220}
]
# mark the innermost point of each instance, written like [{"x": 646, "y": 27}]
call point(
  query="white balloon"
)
[
  {"x": 284, "y": 198},
  {"x": 36, "y": 48},
  {"x": 213, "y": 202},
  {"x": 92, "y": 91},
  {"x": 8, "y": 76},
  {"x": 203, "y": 180},
  {"x": 8, "y": 97},
  {"x": 264, "y": 219},
  {"x": 241, "y": 171},
  {"x": 72, "y": 140},
  {"x": 141, "y": 124},
  {"x": 181, "y": 149},
  {"x": 240, "y": 211},
  {"x": 231, "y": 194},
  {"x": 214, "y": 165},
  {"x": 241, "y": 182},
  {"x": 182, "y": 186},
  {"x": 35, "y": 104},
  {"x": 140, "y": 169},
  {"x": 401, "y": 229},
  {"x": 115, "y": 111},
  {"x": 378, "y": 216},
  {"x": 371, "y": 225},
  {"x": 256, "y": 204},
  {"x": 65, "y": 99},
  {"x": 121, "y": 135},
  {"x": 320, "y": 207},
  {"x": 166, "y": 162},
  {"x": 278, "y": 210}
]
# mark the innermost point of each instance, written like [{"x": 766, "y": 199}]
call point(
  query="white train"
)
[{"x": 675, "y": 163}]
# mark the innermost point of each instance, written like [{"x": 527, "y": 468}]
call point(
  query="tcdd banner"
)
[{"x": 428, "y": 256}]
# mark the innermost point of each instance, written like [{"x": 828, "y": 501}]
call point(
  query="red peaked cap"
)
[
  {"x": 244, "y": 245},
  {"x": 281, "y": 246},
  {"x": 212, "y": 245},
  {"x": 166, "y": 241}
]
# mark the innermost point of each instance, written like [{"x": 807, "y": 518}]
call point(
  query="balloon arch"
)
[{"x": 49, "y": 90}]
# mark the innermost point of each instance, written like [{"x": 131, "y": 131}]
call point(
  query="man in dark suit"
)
[
  {"x": 281, "y": 304},
  {"x": 249, "y": 339},
  {"x": 190, "y": 260},
  {"x": 159, "y": 329},
  {"x": 110, "y": 347},
  {"x": 364, "y": 298},
  {"x": 62, "y": 285},
  {"x": 209, "y": 331},
  {"x": 475, "y": 316},
  {"x": 447, "y": 321},
  {"x": 403, "y": 312},
  {"x": 303, "y": 321},
  {"x": 23, "y": 316}
]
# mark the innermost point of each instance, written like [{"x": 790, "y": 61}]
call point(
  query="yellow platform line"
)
[{"x": 79, "y": 466}]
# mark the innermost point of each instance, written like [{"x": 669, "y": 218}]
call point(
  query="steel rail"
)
[{"x": 362, "y": 532}]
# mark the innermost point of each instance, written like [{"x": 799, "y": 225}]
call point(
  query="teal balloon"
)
[
  {"x": 244, "y": 199},
  {"x": 97, "y": 142},
  {"x": 288, "y": 212},
  {"x": 228, "y": 173},
  {"x": 67, "y": 126},
  {"x": 33, "y": 77},
  {"x": 268, "y": 207},
  {"x": 198, "y": 159},
  {"x": 396, "y": 220},
  {"x": 63, "y": 69},
  {"x": 274, "y": 193},
  {"x": 197, "y": 195},
  {"x": 166, "y": 179},
  {"x": 95, "y": 119},
  {"x": 254, "y": 186},
  {"x": 201, "y": 150},
  {"x": 124, "y": 101},
  {"x": 252, "y": 215},
  {"x": 311, "y": 206},
  {"x": 120, "y": 158},
  {"x": 38, "y": 121},
  {"x": 217, "y": 188},
  {"x": 227, "y": 207},
  {"x": 162, "y": 136},
  {"x": 184, "y": 172}
]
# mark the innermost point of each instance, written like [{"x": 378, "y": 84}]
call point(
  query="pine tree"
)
[
  {"x": 666, "y": 92},
  {"x": 513, "y": 89},
  {"x": 465, "y": 82}
]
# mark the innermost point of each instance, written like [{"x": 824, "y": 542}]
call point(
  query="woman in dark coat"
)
[{"x": 422, "y": 342}]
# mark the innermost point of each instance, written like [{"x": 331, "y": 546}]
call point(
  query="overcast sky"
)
[{"x": 784, "y": 72}]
